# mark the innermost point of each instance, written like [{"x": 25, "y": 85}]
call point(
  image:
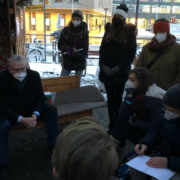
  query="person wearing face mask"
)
[
  {"x": 140, "y": 109},
  {"x": 162, "y": 56},
  {"x": 117, "y": 52},
  {"x": 74, "y": 43},
  {"x": 23, "y": 102},
  {"x": 162, "y": 143}
]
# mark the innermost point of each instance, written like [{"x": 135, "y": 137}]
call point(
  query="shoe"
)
[{"x": 3, "y": 174}]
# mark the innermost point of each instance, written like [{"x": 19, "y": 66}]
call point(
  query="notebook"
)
[{"x": 139, "y": 163}]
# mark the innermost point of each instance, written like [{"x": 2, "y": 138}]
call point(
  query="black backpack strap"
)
[{"x": 155, "y": 59}]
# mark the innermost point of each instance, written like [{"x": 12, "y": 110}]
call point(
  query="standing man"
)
[
  {"x": 117, "y": 52},
  {"x": 22, "y": 101},
  {"x": 162, "y": 56}
]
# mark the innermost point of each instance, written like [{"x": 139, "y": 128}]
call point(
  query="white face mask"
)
[
  {"x": 129, "y": 84},
  {"x": 76, "y": 23},
  {"x": 169, "y": 115},
  {"x": 161, "y": 37},
  {"x": 20, "y": 76}
]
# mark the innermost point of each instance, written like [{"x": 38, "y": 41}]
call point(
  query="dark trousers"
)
[
  {"x": 114, "y": 95},
  {"x": 50, "y": 117}
]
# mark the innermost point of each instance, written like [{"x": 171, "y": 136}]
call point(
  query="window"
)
[
  {"x": 175, "y": 10},
  {"x": 58, "y": 0},
  {"x": 146, "y": 9},
  {"x": 48, "y": 22},
  {"x": 140, "y": 9},
  {"x": 32, "y": 21}
]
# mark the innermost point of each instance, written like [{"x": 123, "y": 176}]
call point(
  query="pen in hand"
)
[{"x": 140, "y": 145}]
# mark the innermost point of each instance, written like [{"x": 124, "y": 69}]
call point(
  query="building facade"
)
[
  {"x": 149, "y": 11},
  {"x": 93, "y": 10}
]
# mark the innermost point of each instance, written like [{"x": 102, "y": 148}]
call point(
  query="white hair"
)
[{"x": 17, "y": 58}]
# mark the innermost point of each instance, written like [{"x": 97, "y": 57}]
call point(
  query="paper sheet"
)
[{"x": 139, "y": 163}]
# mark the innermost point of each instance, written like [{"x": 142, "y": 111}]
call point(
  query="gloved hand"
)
[
  {"x": 70, "y": 51},
  {"x": 107, "y": 71},
  {"x": 115, "y": 70}
]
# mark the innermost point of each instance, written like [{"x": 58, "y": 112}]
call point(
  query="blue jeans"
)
[
  {"x": 66, "y": 72},
  {"x": 49, "y": 115}
]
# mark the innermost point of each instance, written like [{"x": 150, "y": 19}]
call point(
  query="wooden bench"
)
[
  {"x": 58, "y": 84},
  {"x": 93, "y": 53}
]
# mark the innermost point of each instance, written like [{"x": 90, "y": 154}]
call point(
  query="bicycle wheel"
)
[{"x": 35, "y": 55}]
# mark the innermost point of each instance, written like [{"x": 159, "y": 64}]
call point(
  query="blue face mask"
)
[{"x": 169, "y": 115}]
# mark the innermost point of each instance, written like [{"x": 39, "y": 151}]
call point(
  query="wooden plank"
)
[
  {"x": 134, "y": 62},
  {"x": 11, "y": 11},
  {"x": 61, "y": 120},
  {"x": 59, "y": 84}
]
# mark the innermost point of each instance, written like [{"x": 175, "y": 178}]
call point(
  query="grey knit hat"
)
[
  {"x": 172, "y": 97},
  {"x": 79, "y": 14}
]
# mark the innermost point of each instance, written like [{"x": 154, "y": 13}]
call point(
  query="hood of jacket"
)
[{"x": 155, "y": 91}]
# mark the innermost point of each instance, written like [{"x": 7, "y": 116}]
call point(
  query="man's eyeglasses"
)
[{"x": 22, "y": 69}]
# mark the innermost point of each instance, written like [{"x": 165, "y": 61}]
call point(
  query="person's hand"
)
[
  {"x": 143, "y": 149},
  {"x": 107, "y": 71},
  {"x": 71, "y": 51},
  {"x": 28, "y": 122},
  {"x": 157, "y": 162},
  {"x": 115, "y": 70},
  {"x": 34, "y": 117}
]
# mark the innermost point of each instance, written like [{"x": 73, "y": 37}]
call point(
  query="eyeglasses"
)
[{"x": 17, "y": 70}]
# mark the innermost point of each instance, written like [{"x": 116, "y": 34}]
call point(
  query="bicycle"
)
[{"x": 36, "y": 54}]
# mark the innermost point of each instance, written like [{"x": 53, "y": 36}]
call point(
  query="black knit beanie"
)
[
  {"x": 79, "y": 14},
  {"x": 172, "y": 97}
]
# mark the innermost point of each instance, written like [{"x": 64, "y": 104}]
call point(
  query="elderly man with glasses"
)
[{"x": 22, "y": 101}]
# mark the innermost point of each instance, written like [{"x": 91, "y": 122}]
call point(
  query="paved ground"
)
[{"x": 28, "y": 155}]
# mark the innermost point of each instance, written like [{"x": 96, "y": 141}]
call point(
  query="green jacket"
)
[{"x": 166, "y": 69}]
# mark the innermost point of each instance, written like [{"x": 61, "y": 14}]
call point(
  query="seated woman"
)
[
  {"x": 163, "y": 140},
  {"x": 141, "y": 107}
]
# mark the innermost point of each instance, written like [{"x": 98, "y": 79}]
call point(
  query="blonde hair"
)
[{"x": 84, "y": 151}]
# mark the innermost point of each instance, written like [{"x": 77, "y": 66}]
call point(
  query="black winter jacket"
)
[
  {"x": 77, "y": 37},
  {"x": 164, "y": 140},
  {"x": 15, "y": 103},
  {"x": 122, "y": 129},
  {"x": 114, "y": 53}
]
